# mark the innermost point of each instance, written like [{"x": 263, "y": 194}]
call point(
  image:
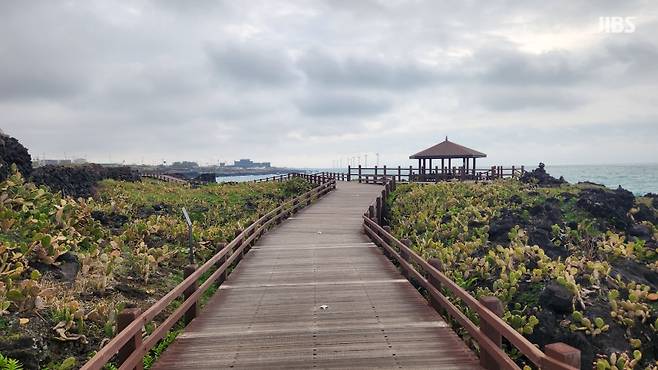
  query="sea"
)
[{"x": 640, "y": 179}]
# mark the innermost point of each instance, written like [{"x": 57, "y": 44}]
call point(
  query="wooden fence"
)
[
  {"x": 128, "y": 344},
  {"x": 278, "y": 178},
  {"x": 368, "y": 174},
  {"x": 491, "y": 330},
  {"x": 313, "y": 177},
  {"x": 377, "y": 175},
  {"x": 166, "y": 178}
]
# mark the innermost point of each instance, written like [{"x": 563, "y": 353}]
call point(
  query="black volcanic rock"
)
[
  {"x": 609, "y": 205},
  {"x": 540, "y": 177},
  {"x": 12, "y": 152},
  {"x": 557, "y": 298},
  {"x": 500, "y": 226},
  {"x": 206, "y": 177},
  {"x": 645, "y": 213},
  {"x": 79, "y": 181},
  {"x": 641, "y": 232}
]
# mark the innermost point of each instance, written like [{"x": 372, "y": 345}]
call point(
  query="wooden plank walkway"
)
[{"x": 269, "y": 313}]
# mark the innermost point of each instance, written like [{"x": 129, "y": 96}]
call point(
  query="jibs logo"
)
[{"x": 616, "y": 24}]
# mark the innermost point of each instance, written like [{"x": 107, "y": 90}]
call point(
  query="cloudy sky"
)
[{"x": 306, "y": 83}]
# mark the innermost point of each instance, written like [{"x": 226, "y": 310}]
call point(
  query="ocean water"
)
[{"x": 637, "y": 178}]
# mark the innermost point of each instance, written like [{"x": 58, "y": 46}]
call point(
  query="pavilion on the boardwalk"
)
[{"x": 446, "y": 151}]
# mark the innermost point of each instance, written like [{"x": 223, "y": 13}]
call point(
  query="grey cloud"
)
[
  {"x": 550, "y": 99},
  {"x": 342, "y": 104},
  {"x": 364, "y": 72},
  {"x": 515, "y": 68},
  {"x": 637, "y": 59},
  {"x": 252, "y": 64}
]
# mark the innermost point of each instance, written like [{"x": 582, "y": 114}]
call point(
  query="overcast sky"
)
[{"x": 306, "y": 83}]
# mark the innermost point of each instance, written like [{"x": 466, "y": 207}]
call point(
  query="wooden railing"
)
[
  {"x": 315, "y": 178},
  {"x": 128, "y": 344},
  {"x": 278, "y": 178},
  {"x": 429, "y": 275},
  {"x": 166, "y": 178},
  {"x": 427, "y": 174}
]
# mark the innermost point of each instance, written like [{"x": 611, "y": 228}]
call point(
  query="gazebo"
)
[{"x": 446, "y": 150}]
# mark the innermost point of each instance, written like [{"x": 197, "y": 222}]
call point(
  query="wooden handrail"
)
[
  {"x": 241, "y": 241},
  {"x": 162, "y": 177},
  {"x": 500, "y": 357},
  {"x": 433, "y": 279},
  {"x": 432, "y": 174}
]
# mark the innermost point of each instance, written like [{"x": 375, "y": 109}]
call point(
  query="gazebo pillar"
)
[
  {"x": 473, "y": 166},
  {"x": 449, "y": 163},
  {"x": 443, "y": 166},
  {"x": 420, "y": 170},
  {"x": 430, "y": 165}
]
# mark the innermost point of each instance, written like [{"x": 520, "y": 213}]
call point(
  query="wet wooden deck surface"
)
[{"x": 316, "y": 293}]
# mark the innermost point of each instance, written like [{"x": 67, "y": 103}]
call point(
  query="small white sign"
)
[{"x": 187, "y": 217}]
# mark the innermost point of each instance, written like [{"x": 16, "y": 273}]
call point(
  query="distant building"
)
[
  {"x": 56, "y": 162},
  {"x": 184, "y": 165},
  {"x": 248, "y": 163}
]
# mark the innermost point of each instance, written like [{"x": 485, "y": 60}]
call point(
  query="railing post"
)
[
  {"x": 125, "y": 318},
  {"x": 384, "y": 172},
  {"x": 359, "y": 173},
  {"x": 383, "y": 205},
  {"x": 349, "y": 173},
  {"x": 374, "y": 178},
  {"x": 494, "y": 305},
  {"x": 411, "y": 171},
  {"x": 378, "y": 210},
  {"x": 436, "y": 263},
  {"x": 294, "y": 209},
  {"x": 399, "y": 174},
  {"x": 192, "y": 312},
  {"x": 371, "y": 212},
  {"x": 562, "y": 353}
]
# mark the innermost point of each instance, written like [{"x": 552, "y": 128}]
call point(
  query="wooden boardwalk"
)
[{"x": 316, "y": 293}]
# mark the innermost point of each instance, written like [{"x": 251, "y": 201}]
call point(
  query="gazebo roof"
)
[{"x": 447, "y": 149}]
